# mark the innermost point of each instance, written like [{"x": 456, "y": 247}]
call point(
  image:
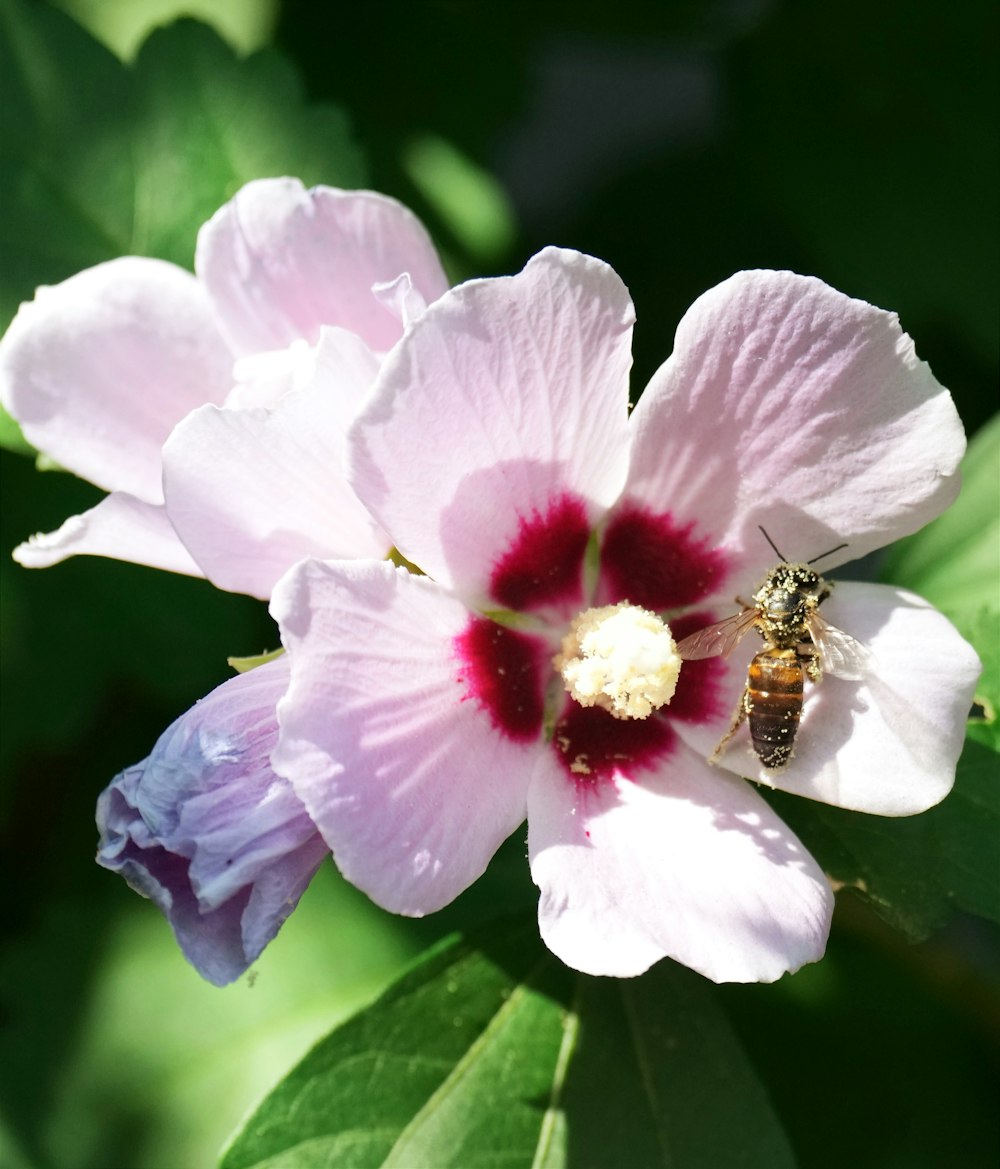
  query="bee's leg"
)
[
  {"x": 809, "y": 654},
  {"x": 738, "y": 719}
]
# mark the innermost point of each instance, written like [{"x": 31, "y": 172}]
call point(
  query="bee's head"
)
[{"x": 788, "y": 590}]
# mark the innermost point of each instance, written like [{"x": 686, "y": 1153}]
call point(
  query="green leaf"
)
[
  {"x": 983, "y": 630},
  {"x": 243, "y": 665},
  {"x": 145, "y": 1065},
  {"x": 914, "y": 870},
  {"x": 953, "y": 562},
  {"x": 99, "y": 160},
  {"x": 468, "y": 199},
  {"x": 491, "y": 1053},
  {"x": 11, "y": 436},
  {"x": 245, "y": 24},
  {"x": 206, "y": 122}
]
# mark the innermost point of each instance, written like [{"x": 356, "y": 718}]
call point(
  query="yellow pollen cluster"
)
[{"x": 619, "y": 657}]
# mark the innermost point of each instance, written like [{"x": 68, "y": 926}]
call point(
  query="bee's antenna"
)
[
  {"x": 823, "y": 555},
  {"x": 771, "y": 542}
]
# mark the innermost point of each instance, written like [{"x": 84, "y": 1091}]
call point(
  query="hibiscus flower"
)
[
  {"x": 213, "y": 408},
  {"x": 429, "y": 714},
  {"x": 296, "y": 296}
]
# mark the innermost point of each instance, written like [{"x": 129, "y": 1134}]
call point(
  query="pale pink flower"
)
[
  {"x": 213, "y": 408},
  {"x": 425, "y": 720},
  {"x": 296, "y": 296}
]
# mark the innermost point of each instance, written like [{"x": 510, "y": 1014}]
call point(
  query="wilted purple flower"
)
[{"x": 207, "y": 831}]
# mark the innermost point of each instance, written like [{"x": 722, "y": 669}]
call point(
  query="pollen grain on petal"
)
[{"x": 594, "y": 747}]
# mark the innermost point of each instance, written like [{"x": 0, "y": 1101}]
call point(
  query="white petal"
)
[
  {"x": 410, "y": 784},
  {"x": 121, "y": 527},
  {"x": 787, "y": 404},
  {"x": 99, "y": 369},
  {"x": 262, "y": 379},
  {"x": 687, "y": 863},
  {"x": 253, "y": 491},
  {"x": 505, "y": 397},
  {"x": 280, "y": 262},
  {"x": 889, "y": 743}
]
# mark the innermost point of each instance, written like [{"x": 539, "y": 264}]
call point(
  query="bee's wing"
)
[
  {"x": 718, "y": 639},
  {"x": 840, "y": 654}
]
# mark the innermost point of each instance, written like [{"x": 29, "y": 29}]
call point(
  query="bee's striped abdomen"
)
[{"x": 773, "y": 704}]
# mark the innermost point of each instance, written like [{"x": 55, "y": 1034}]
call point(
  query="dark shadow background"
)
[
  {"x": 680, "y": 142},
  {"x": 685, "y": 141}
]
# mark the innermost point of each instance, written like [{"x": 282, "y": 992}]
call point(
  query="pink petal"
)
[
  {"x": 411, "y": 786},
  {"x": 99, "y": 369},
  {"x": 252, "y": 491},
  {"x": 787, "y": 404},
  {"x": 687, "y": 863},
  {"x": 121, "y": 527},
  {"x": 889, "y": 743},
  {"x": 262, "y": 379},
  {"x": 399, "y": 296},
  {"x": 280, "y": 261},
  {"x": 504, "y": 397}
]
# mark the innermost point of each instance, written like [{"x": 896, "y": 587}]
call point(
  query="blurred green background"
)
[{"x": 680, "y": 142}]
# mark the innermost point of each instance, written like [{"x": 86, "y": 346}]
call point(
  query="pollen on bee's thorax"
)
[
  {"x": 619, "y": 657},
  {"x": 787, "y": 593}
]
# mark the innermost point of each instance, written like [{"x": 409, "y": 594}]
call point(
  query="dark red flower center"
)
[{"x": 647, "y": 559}]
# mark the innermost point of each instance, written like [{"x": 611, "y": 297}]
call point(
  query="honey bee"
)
[{"x": 799, "y": 643}]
